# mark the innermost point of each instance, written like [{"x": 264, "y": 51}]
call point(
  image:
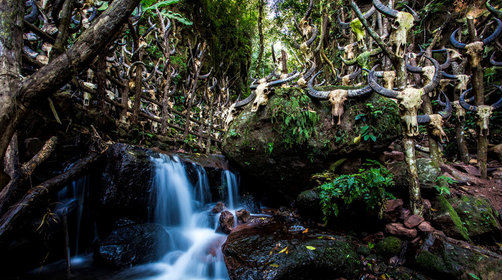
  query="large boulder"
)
[
  {"x": 446, "y": 258},
  {"x": 467, "y": 217},
  {"x": 132, "y": 244},
  {"x": 276, "y": 251},
  {"x": 126, "y": 182},
  {"x": 427, "y": 173},
  {"x": 284, "y": 143}
]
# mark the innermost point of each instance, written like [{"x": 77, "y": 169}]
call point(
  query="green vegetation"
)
[
  {"x": 367, "y": 186},
  {"x": 298, "y": 124}
]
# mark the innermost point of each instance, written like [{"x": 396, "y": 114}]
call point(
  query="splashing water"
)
[{"x": 194, "y": 248}]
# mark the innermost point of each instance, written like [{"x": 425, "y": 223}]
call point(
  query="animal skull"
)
[
  {"x": 436, "y": 124},
  {"x": 337, "y": 97},
  {"x": 463, "y": 80},
  {"x": 230, "y": 113},
  {"x": 402, "y": 24},
  {"x": 346, "y": 80},
  {"x": 474, "y": 50},
  {"x": 262, "y": 92},
  {"x": 305, "y": 27},
  {"x": 87, "y": 98},
  {"x": 484, "y": 112},
  {"x": 410, "y": 100},
  {"x": 389, "y": 77},
  {"x": 301, "y": 82},
  {"x": 459, "y": 110},
  {"x": 349, "y": 52}
]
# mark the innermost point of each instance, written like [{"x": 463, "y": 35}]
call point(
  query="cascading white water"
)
[
  {"x": 230, "y": 180},
  {"x": 194, "y": 248}
]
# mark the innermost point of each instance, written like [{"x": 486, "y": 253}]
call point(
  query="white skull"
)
[
  {"x": 389, "y": 77},
  {"x": 87, "y": 98},
  {"x": 402, "y": 24},
  {"x": 410, "y": 100},
  {"x": 459, "y": 110},
  {"x": 337, "y": 97},
  {"x": 474, "y": 50},
  {"x": 437, "y": 126},
  {"x": 484, "y": 112},
  {"x": 262, "y": 92}
]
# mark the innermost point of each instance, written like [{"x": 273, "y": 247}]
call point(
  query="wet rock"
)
[
  {"x": 226, "y": 221},
  {"x": 261, "y": 142},
  {"x": 125, "y": 182},
  {"x": 393, "y": 209},
  {"x": 272, "y": 252},
  {"x": 413, "y": 221},
  {"x": 242, "y": 216},
  {"x": 389, "y": 246},
  {"x": 218, "y": 207},
  {"x": 445, "y": 258},
  {"x": 308, "y": 205},
  {"x": 427, "y": 173},
  {"x": 405, "y": 213},
  {"x": 425, "y": 227},
  {"x": 132, "y": 245},
  {"x": 249, "y": 202},
  {"x": 400, "y": 230}
]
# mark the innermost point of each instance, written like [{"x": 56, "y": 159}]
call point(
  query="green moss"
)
[
  {"x": 445, "y": 205},
  {"x": 429, "y": 261},
  {"x": 477, "y": 215},
  {"x": 389, "y": 246}
]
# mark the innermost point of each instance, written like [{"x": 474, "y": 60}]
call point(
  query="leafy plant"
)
[
  {"x": 368, "y": 186},
  {"x": 442, "y": 183}
]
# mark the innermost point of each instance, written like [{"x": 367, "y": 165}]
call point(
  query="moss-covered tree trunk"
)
[{"x": 475, "y": 56}]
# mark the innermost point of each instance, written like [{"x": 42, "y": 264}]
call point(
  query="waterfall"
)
[
  {"x": 194, "y": 248},
  {"x": 229, "y": 180}
]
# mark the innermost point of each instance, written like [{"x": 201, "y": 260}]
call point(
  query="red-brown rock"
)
[
  {"x": 400, "y": 230},
  {"x": 218, "y": 207},
  {"x": 425, "y": 227},
  {"x": 413, "y": 221},
  {"x": 393, "y": 209},
  {"x": 242, "y": 216},
  {"x": 226, "y": 221}
]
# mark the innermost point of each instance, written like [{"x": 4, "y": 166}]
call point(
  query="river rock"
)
[
  {"x": 226, "y": 221},
  {"x": 308, "y": 204},
  {"x": 272, "y": 252},
  {"x": 242, "y": 216},
  {"x": 218, "y": 207},
  {"x": 393, "y": 209},
  {"x": 262, "y": 142},
  {"x": 400, "y": 230},
  {"x": 446, "y": 258},
  {"x": 413, "y": 221},
  {"x": 132, "y": 245}
]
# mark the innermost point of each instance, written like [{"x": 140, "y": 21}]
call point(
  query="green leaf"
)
[
  {"x": 54, "y": 112},
  {"x": 177, "y": 17},
  {"x": 103, "y": 7},
  {"x": 161, "y": 4},
  {"x": 312, "y": 248},
  {"x": 474, "y": 276}
]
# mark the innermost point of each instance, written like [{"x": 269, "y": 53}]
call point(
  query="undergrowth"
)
[{"x": 367, "y": 186}]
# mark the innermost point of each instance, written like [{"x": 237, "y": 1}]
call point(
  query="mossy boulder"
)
[
  {"x": 477, "y": 215},
  {"x": 389, "y": 246},
  {"x": 427, "y": 173},
  {"x": 284, "y": 143},
  {"x": 446, "y": 258},
  {"x": 274, "y": 251},
  {"x": 467, "y": 217},
  {"x": 308, "y": 205}
]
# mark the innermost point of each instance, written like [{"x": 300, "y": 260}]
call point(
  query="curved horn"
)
[
  {"x": 423, "y": 119},
  {"x": 436, "y": 78},
  {"x": 492, "y": 9},
  {"x": 215, "y": 82},
  {"x": 411, "y": 68},
  {"x": 466, "y": 105},
  {"x": 307, "y": 13},
  {"x": 448, "y": 76},
  {"x": 359, "y": 92},
  {"x": 205, "y": 76},
  {"x": 416, "y": 18},
  {"x": 378, "y": 88},
  {"x": 316, "y": 93},
  {"x": 384, "y": 9},
  {"x": 314, "y": 35},
  {"x": 448, "y": 108},
  {"x": 454, "y": 41},
  {"x": 355, "y": 74},
  {"x": 445, "y": 64},
  {"x": 497, "y": 104},
  {"x": 282, "y": 81},
  {"x": 32, "y": 16},
  {"x": 493, "y": 61},
  {"x": 343, "y": 25},
  {"x": 495, "y": 33},
  {"x": 246, "y": 101}
]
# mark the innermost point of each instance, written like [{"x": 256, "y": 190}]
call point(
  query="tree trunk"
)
[
  {"x": 165, "y": 102},
  {"x": 260, "y": 32},
  {"x": 478, "y": 88},
  {"x": 15, "y": 98}
]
